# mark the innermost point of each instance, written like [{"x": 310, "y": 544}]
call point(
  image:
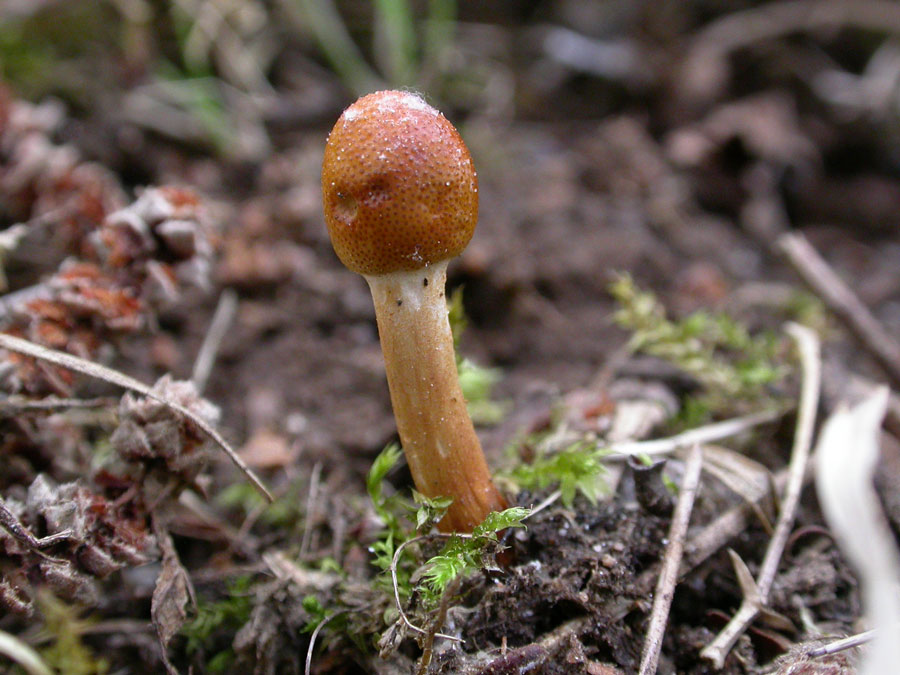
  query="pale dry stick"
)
[
  {"x": 14, "y": 405},
  {"x": 548, "y": 501},
  {"x": 218, "y": 329},
  {"x": 755, "y": 598},
  {"x": 310, "y": 505},
  {"x": 723, "y": 529},
  {"x": 841, "y": 301},
  {"x": 23, "y": 654},
  {"x": 698, "y": 436},
  {"x": 849, "y": 642},
  {"x": 312, "y": 639},
  {"x": 809, "y": 348},
  {"x": 396, "y": 559},
  {"x": 668, "y": 577},
  {"x": 95, "y": 370},
  {"x": 428, "y": 642},
  {"x": 771, "y": 21}
]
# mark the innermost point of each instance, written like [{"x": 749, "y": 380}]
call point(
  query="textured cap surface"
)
[{"x": 398, "y": 185}]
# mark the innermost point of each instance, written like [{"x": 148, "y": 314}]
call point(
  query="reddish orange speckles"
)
[{"x": 398, "y": 185}]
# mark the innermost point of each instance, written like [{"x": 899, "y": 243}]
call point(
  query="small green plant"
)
[
  {"x": 386, "y": 506},
  {"x": 317, "y": 613},
  {"x": 284, "y": 514},
  {"x": 404, "y": 53},
  {"x": 462, "y": 555},
  {"x": 218, "y": 617},
  {"x": 392, "y": 510},
  {"x": 48, "y": 49},
  {"x": 404, "y": 519},
  {"x": 63, "y": 627},
  {"x": 576, "y": 470},
  {"x": 729, "y": 363},
  {"x": 477, "y": 382}
]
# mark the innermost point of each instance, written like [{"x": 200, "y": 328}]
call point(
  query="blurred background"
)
[
  {"x": 160, "y": 184},
  {"x": 668, "y": 140}
]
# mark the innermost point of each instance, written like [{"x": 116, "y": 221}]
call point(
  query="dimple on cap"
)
[{"x": 398, "y": 185}]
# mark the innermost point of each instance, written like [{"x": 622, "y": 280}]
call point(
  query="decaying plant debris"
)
[{"x": 656, "y": 186}]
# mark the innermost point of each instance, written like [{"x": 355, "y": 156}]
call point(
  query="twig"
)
[
  {"x": 95, "y": 370},
  {"x": 843, "y": 644},
  {"x": 396, "y": 559},
  {"x": 723, "y": 529},
  {"x": 545, "y": 504},
  {"x": 808, "y": 345},
  {"x": 30, "y": 661},
  {"x": 14, "y": 405},
  {"x": 773, "y": 20},
  {"x": 428, "y": 642},
  {"x": 756, "y": 594},
  {"x": 842, "y": 301},
  {"x": 218, "y": 329},
  {"x": 698, "y": 436},
  {"x": 310, "y": 505},
  {"x": 312, "y": 639},
  {"x": 668, "y": 577}
]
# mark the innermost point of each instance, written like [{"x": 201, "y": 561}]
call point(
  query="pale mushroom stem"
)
[{"x": 438, "y": 438}]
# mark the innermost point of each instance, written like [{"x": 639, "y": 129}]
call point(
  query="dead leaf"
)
[{"x": 173, "y": 593}]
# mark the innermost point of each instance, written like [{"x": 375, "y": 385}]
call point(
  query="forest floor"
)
[{"x": 675, "y": 146}]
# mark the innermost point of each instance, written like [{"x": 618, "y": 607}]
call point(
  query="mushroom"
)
[{"x": 400, "y": 197}]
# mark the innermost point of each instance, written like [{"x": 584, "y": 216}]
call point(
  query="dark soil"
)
[{"x": 657, "y": 169}]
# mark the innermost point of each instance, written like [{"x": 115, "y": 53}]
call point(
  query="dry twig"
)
[
  {"x": 699, "y": 436},
  {"x": 843, "y": 644},
  {"x": 842, "y": 301},
  {"x": 394, "y": 581},
  {"x": 23, "y": 654},
  {"x": 668, "y": 577},
  {"x": 314, "y": 637},
  {"x": 310, "y": 509},
  {"x": 218, "y": 329},
  {"x": 756, "y": 593},
  {"x": 91, "y": 369}
]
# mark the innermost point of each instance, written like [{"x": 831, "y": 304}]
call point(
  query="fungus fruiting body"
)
[{"x": 400, "y": 197}]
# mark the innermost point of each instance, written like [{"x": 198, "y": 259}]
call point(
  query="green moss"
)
[
  {"x": 733, "y": 367},
  {"x": 44, "y": 52},
  {"x": 216, "y": 618},
  {"x": 63, "y": 627},
  {"x": 576, "y": 470}
]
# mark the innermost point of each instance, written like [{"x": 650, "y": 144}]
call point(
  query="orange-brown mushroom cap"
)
[{"x": 398, "y": 185}]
